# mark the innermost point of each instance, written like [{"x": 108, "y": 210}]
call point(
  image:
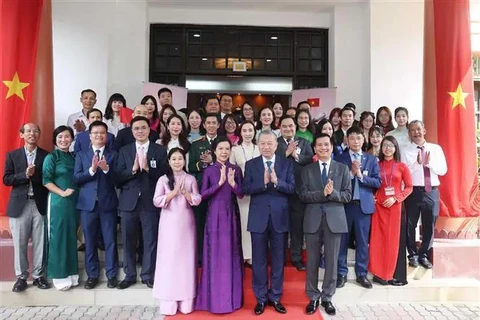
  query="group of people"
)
[{"x": 223, "y": 191}]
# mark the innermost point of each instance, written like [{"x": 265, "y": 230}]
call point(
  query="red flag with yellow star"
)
[
  {"x": 19, "y": 29},
  {"x": 449, "y": 95}
]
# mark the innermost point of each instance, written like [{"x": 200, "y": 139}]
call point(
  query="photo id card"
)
[
  {"x": 153, "y": 164},
  {"x": 389, "y": 191}
]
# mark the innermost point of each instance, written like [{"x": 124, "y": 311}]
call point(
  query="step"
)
[{"x": 437, "y": 290}]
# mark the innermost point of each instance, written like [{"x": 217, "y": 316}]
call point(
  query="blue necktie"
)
[
  {"x": 324, "y": 173},
  {"x": 356, "y": 192},
  {"x": 269, "y": 163}
]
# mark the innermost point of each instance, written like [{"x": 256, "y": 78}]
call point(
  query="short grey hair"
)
[
  {"x": 417, "y": 121},
  {"x": 267, "y": 133}
]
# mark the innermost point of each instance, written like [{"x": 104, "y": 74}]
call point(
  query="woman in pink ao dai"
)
[{"x": 176, "y": 268}]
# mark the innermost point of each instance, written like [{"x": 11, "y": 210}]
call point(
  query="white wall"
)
[{"x": 396, "y": 48}]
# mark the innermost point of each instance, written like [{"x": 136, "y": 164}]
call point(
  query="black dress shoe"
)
[
  {"x": 112, "y": 283},
  {"x": 312, "y": 306},
  {"x": 425, "y": 263},
  {"x": 259, "y": 308},
  {"x": 395, "y": 282},
  {"x": 41, "y": 283},
  {"x": 277, "y": 306},
  {"x": 364, "y": 282},
  {"x": 91, "y": 283},
  {"x": 148, "y": 282},
  {"x": 413, "y": 261},
  {"x": 341, "y": 280},
  {"x": 125, "y": 284},
  {"x": 379, "y": 281},
  {"x": 299, "y": 265},
  {"x": 329, "y": 308},
  {"x": 20, "y": 285},
  {"x": 81, "y": 247}
]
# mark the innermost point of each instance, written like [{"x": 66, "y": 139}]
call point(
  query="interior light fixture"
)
[
  {"x": 204, "y": 59},
  {"x": 269, "y": 60},
  {"x": 274, "y": 37},
  {"x": 196, "y": 35}
]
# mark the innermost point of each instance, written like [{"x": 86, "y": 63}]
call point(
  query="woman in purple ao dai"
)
[{"x": 221, "y": 284}]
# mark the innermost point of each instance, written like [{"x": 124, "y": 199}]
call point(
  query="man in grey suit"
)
[
  {"x": 300, "y": 153},
  {"x": 325, "y": 187},
  {"x": 27, "y": 206}
]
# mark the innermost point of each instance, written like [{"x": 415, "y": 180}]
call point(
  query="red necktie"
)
[{"x": 426, "y": 171}]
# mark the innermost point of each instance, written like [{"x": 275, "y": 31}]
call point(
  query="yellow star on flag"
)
[
  {"x": 15, "y": 87},
  {"x": 458, "y": 97}
]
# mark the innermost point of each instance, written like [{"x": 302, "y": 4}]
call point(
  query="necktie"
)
[
  {"x": 356, "y": 192},
  {"x": 324, "y": 173},
  {"x": 269, "y": 163},
  {"x": 289, "y": 140},
  {"x": 141, "y": 157},
  {"x": 427, "y": 179},
  {"x": 97, "y": 154}
]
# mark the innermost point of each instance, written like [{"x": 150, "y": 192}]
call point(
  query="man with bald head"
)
[
  {"x": 125, "y": 136},
  {"x": 27, "y": 206}
]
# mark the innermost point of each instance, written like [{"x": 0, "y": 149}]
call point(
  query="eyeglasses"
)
[
  {"x": 388, "y": 146},
  {"x": 32, "y": 131}
]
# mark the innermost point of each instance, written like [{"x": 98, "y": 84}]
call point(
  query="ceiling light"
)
[
  {"x": 204, "y": 59},
  {"x": 269, "y": 60},
  {"x": 196, "y": 35},
  {"x": 274, "y": 37}
]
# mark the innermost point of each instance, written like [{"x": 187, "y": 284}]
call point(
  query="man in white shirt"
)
[
  {"x": 78, "y": 121},
  {"x": 426, "y": 162}
]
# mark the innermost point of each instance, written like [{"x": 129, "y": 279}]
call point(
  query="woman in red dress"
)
[{"x": 388, "y": 232}]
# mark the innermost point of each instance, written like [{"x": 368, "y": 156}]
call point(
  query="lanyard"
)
[
  {"x": 245, "y": 154},
  {"x": 391, "y": 174}
]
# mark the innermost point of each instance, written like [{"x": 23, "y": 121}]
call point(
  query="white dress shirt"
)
[
  {"x": 73, "y": 117},
  {"x": 100, "y": 155},
  {"x": 437, "y": 163},
  {"x": 31, "y": 156},
  {"x": 327, "y": 166}
]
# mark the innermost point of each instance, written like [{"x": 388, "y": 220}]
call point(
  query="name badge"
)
[
  {"x": 389, "y": 191},
  {"x": 298, "y": 151},
  {"x": 153, "y": 164},
  {"x": 365, "y": 172}
]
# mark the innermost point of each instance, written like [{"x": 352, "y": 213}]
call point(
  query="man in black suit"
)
[
  {"x": 139, "y": 166},
  {"x": 325, "y": 187},
  {"x": 27, "y": 206},
  {"x": 300, "y": 153},
  {"x": 126, "y": 136}
]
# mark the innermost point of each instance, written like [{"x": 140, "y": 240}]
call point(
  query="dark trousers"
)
[
  {"x": 360, "y": 223},
  {"x": 200, "y": 213},
  {"x": 401, "y": 268},
  {"x": 98, "y": 223},
  {"x": 132, "y": 222},
  {"x": 331, "y": 242},
  {"x": 426, "y": 204},
  {"x": 278, "y": 244},
  {"x": 297, "y": 212}
]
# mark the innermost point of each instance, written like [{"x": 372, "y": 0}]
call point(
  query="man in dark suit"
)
[
  {"x": 97, "y": 201},
  {"x": 82, "y": 140},
  {"x": 126, "y": 136},
  {"x": 300, "y": 153},
  {"x": 27, "y": 206},
  {"x": 270, "y": 180},
  {"x": 140, "y": 165},
  {"x": 365, "y": 175},
  {"x": 324, "y": 188}
]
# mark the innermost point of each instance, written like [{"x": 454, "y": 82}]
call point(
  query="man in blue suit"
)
[
  {"x": 364, "y": 172},
  {"x": 97, "y": 201},
  {"x": 270, "y": 180},
  {"x": 140, "y": 165},
  {"x": 82, "y": 140}
]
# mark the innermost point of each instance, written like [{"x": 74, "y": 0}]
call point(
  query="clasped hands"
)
[
  {"x": 229, "y": 177},
  {"x": 136, "y": 164},
  {"x": 180, "y": 187},
  {"x": 423, "y": 160},
  {"x": 96, "y": 163},
  {"x": 357, "y": 169},
  {"x": 270, "y": 176},
  {"x": 292, "y": 149}
]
